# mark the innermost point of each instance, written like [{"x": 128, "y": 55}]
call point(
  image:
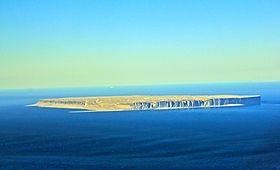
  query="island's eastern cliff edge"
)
[{"x": 117, "y": 103}]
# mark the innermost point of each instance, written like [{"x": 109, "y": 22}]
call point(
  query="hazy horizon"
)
[{"x": 142, "y": 85}]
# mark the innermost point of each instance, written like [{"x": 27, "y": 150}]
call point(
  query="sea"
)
[{"x": 210, "y": 138}]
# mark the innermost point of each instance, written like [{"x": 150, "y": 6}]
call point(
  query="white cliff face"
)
[
  {"x": 115, "y": 103},
  {"x": 220, "y": 102}
]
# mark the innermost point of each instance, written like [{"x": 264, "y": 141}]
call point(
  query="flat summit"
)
[{"x": 119, "y": 103}]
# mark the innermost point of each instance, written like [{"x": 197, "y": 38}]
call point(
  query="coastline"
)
[{"x": 129, "y": 103}]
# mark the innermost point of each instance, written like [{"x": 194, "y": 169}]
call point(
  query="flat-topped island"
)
[{"x": 119, "y": 103}]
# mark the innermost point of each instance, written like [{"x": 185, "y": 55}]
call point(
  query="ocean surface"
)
[{"x": 213, "y": 138}]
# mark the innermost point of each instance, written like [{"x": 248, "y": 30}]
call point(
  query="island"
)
[{"x": 122, "y": 103}]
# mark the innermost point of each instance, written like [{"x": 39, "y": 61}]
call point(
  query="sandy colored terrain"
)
[{"x": 118, "y": 103}]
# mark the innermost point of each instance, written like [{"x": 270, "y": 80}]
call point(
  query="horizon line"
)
[{"x": 133, "y": 85}]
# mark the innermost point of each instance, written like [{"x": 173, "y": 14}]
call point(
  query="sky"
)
[{"x": 66, "y": 43}]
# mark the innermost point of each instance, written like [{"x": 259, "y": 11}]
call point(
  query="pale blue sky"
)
[{"x": 95, "y": 43}]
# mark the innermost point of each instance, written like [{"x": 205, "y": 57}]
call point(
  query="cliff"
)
[{"x": 117, "y": 103}]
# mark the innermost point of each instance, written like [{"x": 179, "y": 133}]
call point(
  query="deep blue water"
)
[{"x": 231, "y": 138}]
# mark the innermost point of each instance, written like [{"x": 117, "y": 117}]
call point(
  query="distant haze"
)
[{"x": 106, "y": 43}]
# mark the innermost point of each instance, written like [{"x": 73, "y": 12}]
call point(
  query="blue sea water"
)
[{"x": 216, "y": 138}]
